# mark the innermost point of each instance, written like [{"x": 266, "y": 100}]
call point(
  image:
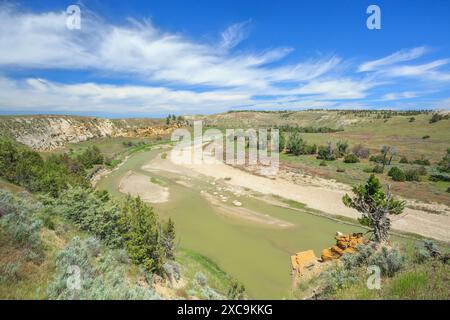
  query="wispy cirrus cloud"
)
[
  {"x": 399, "y": 95},
  {"x": 178, "y": 73},
  {"x": 139, "y": 48},
  {"x": 399, "y": 56},
  {"x": 391, "y": 66},
  {"x": 234, "y": 34}
]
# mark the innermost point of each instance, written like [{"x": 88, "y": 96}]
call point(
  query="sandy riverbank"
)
[{"x": 140, "y": 185}]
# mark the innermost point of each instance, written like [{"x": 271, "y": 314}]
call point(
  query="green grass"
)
[
  {"x": 425, "y": 190},
  {"x": 415, "y": 281},
  {"x": 193, "y": 262},
  {"x": 428, "y": 281},
  {"x": 34, "y": 277},
  {"x": 157, "y": 181}
]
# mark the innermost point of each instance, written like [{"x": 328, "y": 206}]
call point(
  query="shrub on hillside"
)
[
  {"x": 403, "y": 159},
  {"x": 397, "y": 174},
  {"x": 25, "y": 167},
  {"x": 376, "y": 158},
  {"x": 91, "y": 211},
  {"x": 310, "y": 149},
  {"x": 359, "y": 258},
  {"x": 438, "y": 117},
  {"x": 142, "y": 234},
  {"x": 422, "y": 161},
  {"x": 203, "y": 290},
  {"x": 172, "y": 271},
  {"x": 101, "y": 278},
  {"x": 281, "y": 142},
  {"x": 444, "y": 164},
  {"x": 295, "y": 144},
  {"x": 378, "y": 169},
  {"x": 360, "y": 151},
  {"x": 337, "y": 278},
  {"x": 412, "y": 175},
  {"x": 341, "y": 148},
  {"x": 422, "y": 171},
  {"x": 91, "y": 156},
  {"x": 236, "y": 291},
  {"x": 390, "y": 260},
  {"x": 19, "y": 221},
  {"x": 351, "y": 158},
  {"x": 9, "y": 272},
  {"x": 200, "y": 279},
  {"x": 421, "y": 253},
  {"x": 326, "y": 152},
  {"x": 436, "y": 175}
]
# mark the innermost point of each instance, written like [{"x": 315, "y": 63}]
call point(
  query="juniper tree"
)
[
  {"x": 376, "y": 206},
  {"x": 168, "y": 239},
  {"x": 388, "y": 151}
]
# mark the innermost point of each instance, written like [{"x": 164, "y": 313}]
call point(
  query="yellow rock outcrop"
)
[{"x": 344, "y": 244}]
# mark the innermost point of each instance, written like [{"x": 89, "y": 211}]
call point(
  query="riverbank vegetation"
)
[
  {"x": 62, "y": 239},
  {"x": 381, "y": 268}
]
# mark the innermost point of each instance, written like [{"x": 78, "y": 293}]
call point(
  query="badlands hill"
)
[{"x": 49, "y": 132}]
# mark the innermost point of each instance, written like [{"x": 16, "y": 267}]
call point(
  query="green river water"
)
[{"x": 255, "y": 254}]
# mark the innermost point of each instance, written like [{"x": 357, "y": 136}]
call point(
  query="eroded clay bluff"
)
[{"x": 49, "y": 132}]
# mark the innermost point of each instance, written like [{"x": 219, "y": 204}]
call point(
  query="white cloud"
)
[
  {"x": 399, "y": 56},
  {"x": 38, "y": 93},
  {"x": 389, "y": 66},
  {"x": 178, "y": 73},
  {"x": 141, "y": 49},
  {"x": 399, "y": 95},
  {"x": 234, "y": 34},
  {"x": 428, "y": 70}
]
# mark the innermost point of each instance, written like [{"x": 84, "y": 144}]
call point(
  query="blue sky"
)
[{"x": 151, "y": 58}]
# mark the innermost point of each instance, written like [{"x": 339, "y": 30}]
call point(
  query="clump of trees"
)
[
  {"x": 291, "y": 129},
  {"x": 331, "y": 153},
  {"x": 90, "y": 157},
  {"x": 326, "y": 152},
  {"x": 142, "y": 235},
  {"x": 376, "y": 206},
  {"x": 297, "y": 146},
  {"x": 442, "y": 171},
  {"x": 171, "y": 118},
  {"x": 422, "y": 161},
  {"x": 26, "y": 168},
  {"x": 351, "y": 158},
  {"x": 444, "y": 164},
  {"x": 131, "y": 224},
  {"x": 397, "y": 174},
  {"x": 438, "y": 117},
  {"x": 403, "y": 159},
  {"x": 387, "y": 154}
]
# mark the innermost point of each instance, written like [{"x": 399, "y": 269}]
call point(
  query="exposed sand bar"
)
[{"x": 140, "y": 185}]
